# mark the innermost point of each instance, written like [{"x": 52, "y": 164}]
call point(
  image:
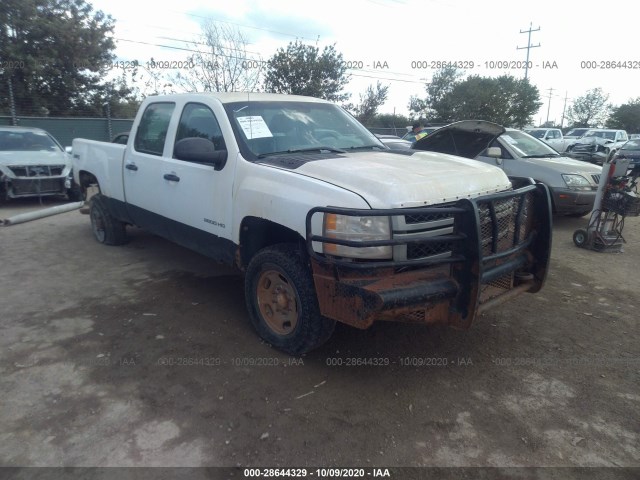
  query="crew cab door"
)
[
  {"x": 143, "y": 163},
  {"x": 198, "y": 196}
]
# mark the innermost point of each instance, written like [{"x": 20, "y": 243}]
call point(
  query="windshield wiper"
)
[
  {"x": 367, "y": 147},
  {"x": 544, "y": 155},
  {"x": 303, "y": 150}
]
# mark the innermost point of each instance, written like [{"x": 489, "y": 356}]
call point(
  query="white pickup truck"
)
[
  {"x": 326, "y": 222},
  {"x": 552, "y": 137}
]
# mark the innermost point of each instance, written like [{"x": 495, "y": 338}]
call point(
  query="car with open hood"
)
[
  {"x": 573, "y": 184},
  {"x": 33, "y": 164}
]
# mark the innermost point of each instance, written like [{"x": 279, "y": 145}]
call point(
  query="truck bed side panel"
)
[{"x": 104, "y": 161}]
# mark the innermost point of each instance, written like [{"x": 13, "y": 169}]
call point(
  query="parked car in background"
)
[
  {"x": 34, "y": 164},
  {"x": 411, "y": 136},
  {"x": 121, "y": 138},
  {"x": 576, "y": 133},
  {"x": 634, "y": 136},
  {"x": 572, "y": 183},
  {"x": 597, "y": 145},
  {"x": 394, "y": 142},
  {"x": 551, "y": 136},
  {"x": 630, "y": 150}
]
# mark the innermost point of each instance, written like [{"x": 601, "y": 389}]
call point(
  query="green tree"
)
[
  {"x": 504, "y": 100},
  {"x": 303, "y": 70},
  {"x": 370, "y": 101},
  {"x": 389, "y": 120},
  {"x": 54, "y": 54},
  {"x": 436, "y": 106},
  {"x": 626, "y": 116},
  {"x": 590, "y": 110}
]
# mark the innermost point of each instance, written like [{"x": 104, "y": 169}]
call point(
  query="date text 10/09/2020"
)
[{"x": 316, "y": 472}]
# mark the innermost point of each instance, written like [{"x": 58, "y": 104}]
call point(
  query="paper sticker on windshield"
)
[
  {"x": 254, "y": 127},
  {"x": 510, "y": 140}
]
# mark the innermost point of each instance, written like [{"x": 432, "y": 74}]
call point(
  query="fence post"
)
[
  {"x": 12, "y": 103},
  {"x": 109, "y": 126}
]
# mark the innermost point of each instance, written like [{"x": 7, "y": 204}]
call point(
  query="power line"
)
[{"x": 245, "y": 58}]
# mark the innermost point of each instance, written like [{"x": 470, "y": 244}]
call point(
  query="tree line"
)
[{"x": 56, "y": 54}]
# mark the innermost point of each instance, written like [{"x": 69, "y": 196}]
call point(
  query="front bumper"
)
[
  {"x": 35, "y": 187},
  {"x": 16, "y": 186},
  {"x": 568, "y": 201},
  {"x": 499, "y": 246}
]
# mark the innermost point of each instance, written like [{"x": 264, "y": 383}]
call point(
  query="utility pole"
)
[
  {"x": 528, "y": 47},
  {"x": 549, "y": 106},
  {"x": 566, "y": 94}
]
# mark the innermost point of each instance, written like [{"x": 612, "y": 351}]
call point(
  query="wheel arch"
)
[
  {"x": 257, "y": 233},
  {"x": 87, "y": 179}
]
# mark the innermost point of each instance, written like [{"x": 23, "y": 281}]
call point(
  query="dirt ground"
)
[{"x": 143, "y": 355}]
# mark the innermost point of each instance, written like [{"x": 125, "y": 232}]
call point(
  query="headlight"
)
[
  {"x": 358, "y": 229},
  {"x": 576, "y": 181}
]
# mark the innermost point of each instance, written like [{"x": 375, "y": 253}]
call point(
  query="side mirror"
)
[
  {"x": 496, "y": 153},
  {"x": 200, "y": 150},
  {"x": 68, "y": 150}
]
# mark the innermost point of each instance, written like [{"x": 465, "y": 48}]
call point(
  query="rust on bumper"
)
[{"x": 500, "y": 248}]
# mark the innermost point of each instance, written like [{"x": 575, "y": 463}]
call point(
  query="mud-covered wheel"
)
[
  {"x": 580, "y": 237},
  {"x": 106, "y": 229},
  {"x": 282, "y": 303}
]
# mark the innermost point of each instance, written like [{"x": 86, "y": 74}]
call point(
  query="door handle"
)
[
  {"x": 131, "y": 166},
  {"x": 171, "y": 177}
]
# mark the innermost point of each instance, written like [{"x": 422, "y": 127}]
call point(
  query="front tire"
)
[
  {"x": 106, "y": 229},
  {"x": 282, "y": 303}
]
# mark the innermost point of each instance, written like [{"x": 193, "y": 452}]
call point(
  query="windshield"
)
[
  {"x": 265, "y": 128},
  {"x": 576, "y": 132},
  {"x": 607, "y": 135},
  {"x": 526, "y": 146},
  {"x": 27, "y": 142},
  {"x": 536, "y": 133}
]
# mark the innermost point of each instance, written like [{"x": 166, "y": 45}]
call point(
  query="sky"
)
[{"x": 402, "y": 42}]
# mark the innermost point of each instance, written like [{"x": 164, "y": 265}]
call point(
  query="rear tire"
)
[
  {"x": 106, "y": 229},
  {"x": 282, "y": 303}
]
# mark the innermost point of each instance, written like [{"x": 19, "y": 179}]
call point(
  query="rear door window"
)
[{"x": 152, "y": 131}]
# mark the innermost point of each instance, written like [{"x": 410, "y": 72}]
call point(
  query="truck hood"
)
[
  {"x": 37, "y": 157},
  {"x": 392, "y": 180}
]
